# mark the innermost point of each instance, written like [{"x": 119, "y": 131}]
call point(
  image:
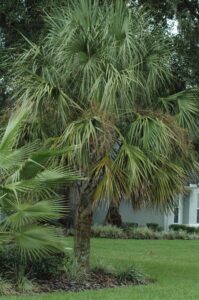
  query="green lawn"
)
[{"x": 174, "y": 264}]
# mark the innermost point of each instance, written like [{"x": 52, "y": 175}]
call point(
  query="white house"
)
[{"x": 186, "y": 212}]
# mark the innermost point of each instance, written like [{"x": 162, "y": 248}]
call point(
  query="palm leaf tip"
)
[{"x": 13, "y": 128}]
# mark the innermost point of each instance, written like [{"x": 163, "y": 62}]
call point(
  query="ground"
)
[{"x": 174, "y": 264}]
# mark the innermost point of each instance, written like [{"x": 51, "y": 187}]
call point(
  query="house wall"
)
[
  {"x": 168, "y": 220},
  {"x": 99, "y": 214},
  {"x": 141, "y": 216},
  {"x": 187, "y": 212}
]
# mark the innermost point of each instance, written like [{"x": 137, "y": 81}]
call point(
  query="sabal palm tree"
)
[
  {"x": 100, "y": 81},
  {"x": 28, "y": 200}
]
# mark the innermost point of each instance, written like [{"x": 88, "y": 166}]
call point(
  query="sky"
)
[{"x": 173, "y": 24}]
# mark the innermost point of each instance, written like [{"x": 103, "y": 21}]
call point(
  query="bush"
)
[
  {"x": 191, "y": 229},
  {"x": 177, "y": 227},
  {"x": 143, "y": 233},
  {"x": 181, "y": 227},
  {"x": 108, "y": 231},
  {"x": 131, "y": 274},
  {"x": 12, "y": 267},
  {"x": 176, "y": 235},
  {"x": 127, "y": 226},
  {"x": 180, "y": 235},
  {"x": 48, "y": 267},
  {"x": 154, "y": 226},
  {"x": 6, "y": 287},
  {"x": 125, "y": 275},
  {"x": 73, "y": 271},
  {"x": 102, "y": 267},
  {"x": 24, "y": 285}
]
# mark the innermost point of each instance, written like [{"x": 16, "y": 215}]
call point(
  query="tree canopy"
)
[{"x": 185, "y": 14}]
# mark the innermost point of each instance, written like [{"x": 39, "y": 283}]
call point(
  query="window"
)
[
  {"x": 198, "y": 209},
  {"x": 176, "y": 212}
]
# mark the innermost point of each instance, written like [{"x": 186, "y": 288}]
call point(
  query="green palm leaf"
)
[
  {"x": 184, "y": 106},
  {"x": 43, "y": 181},
  {"x": 12, "y": 129},
  {"x": 25, "y": 213},
  {"x": 28, "y": 200},
  {"x": 36, "y": 241}
]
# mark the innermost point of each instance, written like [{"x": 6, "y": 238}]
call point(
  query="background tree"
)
[
  {"x": 99, "y": 82},
  {"x": 185, "y": 15},
  {"x": 19, "y": 18}
]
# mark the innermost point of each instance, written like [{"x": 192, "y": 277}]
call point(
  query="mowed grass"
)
[{"x": 173, "y": 264}]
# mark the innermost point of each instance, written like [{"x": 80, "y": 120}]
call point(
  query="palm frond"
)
[
  {"x": 113, "y": 181},
  {"x": 12, "y": 129},
  {"x": 43, "y": 181},
  {"x": 12, "y": 159},
  {"x": 135, "y": 163},
  {"x": 168, "y": 181},
  {"x": 38, "y": 159},
  {"x": 84, "y": 135},
  {"x": 37, "y": 241},
  {"x": 184, "y": 106},
  {"x": 157, "y": 134},
  {"x": 26, "y": 213}
]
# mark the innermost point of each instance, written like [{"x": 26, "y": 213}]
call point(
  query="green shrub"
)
[
  {"x": 125, "y": 275},
  {"x": 24, "y": 285},
  {"x": 48, "y": 267},
  {"x": 6, "y": 287},
  {"x": 12, "y": 267},
  {"x": 176, "y": 235},
  {"x": 153, "y": 226},
  {"x": 191, "y": 229},
  {"x": 103, "y": 267},
  {"x": 180, "y": 227},
  {"x": 73, "y": 271},
  {"x": 126, "y": 226},
  {"x": 108, "y": 231},
  {"x": 131, "y": 274},
  {"x": 177, "y": 227},
  {"x": 143, "y": 233}
]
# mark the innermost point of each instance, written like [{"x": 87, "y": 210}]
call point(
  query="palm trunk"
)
[{"x": 83, "y": 227}]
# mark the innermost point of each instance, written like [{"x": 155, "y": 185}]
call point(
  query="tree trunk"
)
[
  {"x": 113, "y": 216},
  {"x": 83, "y": 226},
  {"x": 71, "y": 196}
]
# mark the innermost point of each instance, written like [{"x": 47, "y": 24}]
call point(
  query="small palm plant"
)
[{"x": 28, "y": 200}]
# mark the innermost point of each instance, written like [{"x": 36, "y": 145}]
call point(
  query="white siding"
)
[{"x": 141, "y": 216}]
